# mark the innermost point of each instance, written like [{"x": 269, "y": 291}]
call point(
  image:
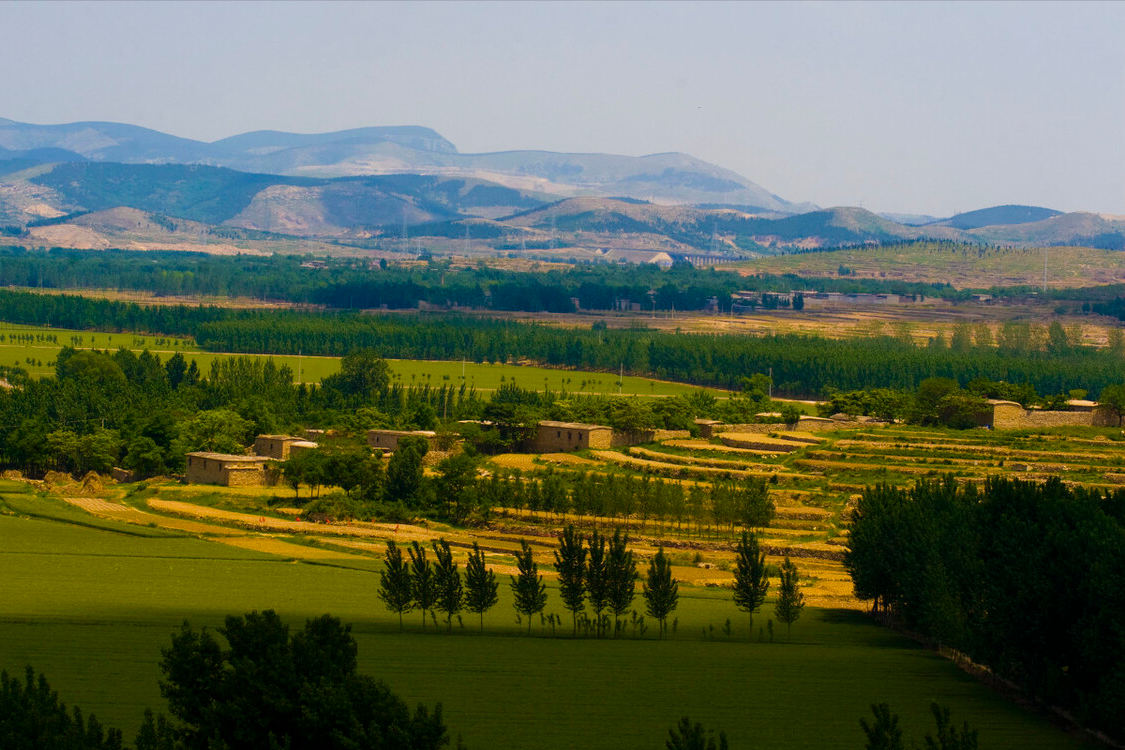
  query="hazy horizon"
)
[{"x": 899, "y": 107}]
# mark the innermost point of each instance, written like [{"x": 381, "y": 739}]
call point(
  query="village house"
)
[
  {"x": 229, "y": 470},
  {"x": 387, "y": 440},
  {"x": 557, "y": 437}
]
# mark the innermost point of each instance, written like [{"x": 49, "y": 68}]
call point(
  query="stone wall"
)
[
  {"x": 1011, "y": 416},
  {"x": 555, "y": 438},
  {"x": 639, "y": 437}
]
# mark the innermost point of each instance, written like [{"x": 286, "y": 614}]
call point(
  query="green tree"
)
[
  {"x": 363, "y": 376},
  {"x": 790, "y": 600},
  {"x": 884, "y": 733},
  {"x": 447, "y": 580},
  {"x": 570, "y": 562},
  {"x": 33, "y": 718},
  {"x": 422, "y": 582},
  {"x": 216, "y": 430},
  {"x": 661, "y": 592},
  {"x": 948, "y": 737},
  {"x": 480, "y": 585},
  {"x": 528, "y": 588},
  {"x": 404, "y": 470},
  {"x": 688, "y": 736},
  {"x": 1113, "y": 397},
  {"x": 270, "y": 689},
  {"x": 598, "y": 590},
  {"x": 395, "y": 586},
  {"x": 621, "y": 570},
  {"x": 750, "y": 579}
]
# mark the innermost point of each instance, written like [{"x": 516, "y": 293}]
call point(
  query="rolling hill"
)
[{"x": 667, "y": 178}]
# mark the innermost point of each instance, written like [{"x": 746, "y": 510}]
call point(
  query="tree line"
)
[
  {"x": 802, "y": 365},
  {"x": 597, "y": 577},
  {"x": 1019, "y": 576}
]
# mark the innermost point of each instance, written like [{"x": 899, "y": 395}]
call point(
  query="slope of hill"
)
[
  {"x": 293, "y": 205},
  {"x": 131, "y": 229},
  {"x": 671, "y": 178},
  {"x": 997, "y": 216},
  {"x": 1079, "y": 229}
]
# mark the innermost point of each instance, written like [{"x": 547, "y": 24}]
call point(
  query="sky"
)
[{"x": 913, "y": 107}]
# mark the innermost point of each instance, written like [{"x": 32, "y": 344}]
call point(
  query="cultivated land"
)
[
  {"x": 962, "y": 266},
  {"x": 92, "y": 607},
  {"x": 103, "y": 580},
  {"x": 18, "y": 344}
]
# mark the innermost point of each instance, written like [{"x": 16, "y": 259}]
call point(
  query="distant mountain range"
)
[
  {"x": 405, "y": 188},
  {"x": 665, "y": 178}
]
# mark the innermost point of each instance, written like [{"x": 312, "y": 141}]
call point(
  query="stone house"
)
[
  {"x": 558, "y": 437},
  {"x": 387, "y": 440},
  {"x": 229, "y": 470},
  {"x": 279, "y": 446}
]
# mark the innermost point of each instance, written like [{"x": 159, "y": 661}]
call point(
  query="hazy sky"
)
[{"x": 911, "y": 107}]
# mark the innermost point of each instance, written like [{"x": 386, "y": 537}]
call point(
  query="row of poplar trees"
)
[{"x": 595, "y": 571}]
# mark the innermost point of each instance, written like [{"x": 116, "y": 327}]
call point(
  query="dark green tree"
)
[
  {"x": 395, "y": 586},
  {"x": 404, "y": 470},
  {"x": 884, "y": 733},
  {"x": 688, "y": 736},
  {"x": 447, "y": 581},
  {"x": 790, "y": 600},
  {"x": 948, "y": 736},
  {"x": 621, "y": 570},
  {"x": 570, "y": 562},
  {"x": 530, "y": 593},
  {"x": 423, "y": 586},
  {"x": 598, "y": 589},
  {"x": 661, "y": 592},
  {"x": 750, "y": 579},
  {"x": 270, "y": 689},
  {"x": 480, "y": 585},
  {"x": 33, "y": 718},
  {"x": 363, "y": 376}
]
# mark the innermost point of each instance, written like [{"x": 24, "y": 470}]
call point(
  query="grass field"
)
[
  {"x": 91, "y": 607},
  {"x": 19, "y": 344}
]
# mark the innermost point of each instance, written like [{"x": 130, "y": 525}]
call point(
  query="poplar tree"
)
[
  {"x": 528, "y": 588},
  {"x": 422, "y": 580},
  {"x": 621, "y": 570},
  {"x": 480, "y": 585},
  {"x": 790, "y": 601},
  {"x": 750, "y": 579},
  {"x": 447, "y": 583},
  {"x": 395, "y": 587},
  {"x": 597, "y": 579},
  {"x": 661, "y": 592},
  {"x": 570, "y": 562}
]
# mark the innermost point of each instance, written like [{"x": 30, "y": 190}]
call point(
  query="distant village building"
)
[
  {"x": 1009, "y": 415},
  {"x": 280, "y": 446},
  {"x": 228, "y": 470},
  {"x": 558, "y": 437},
  {"x": 387, "y": 440}
]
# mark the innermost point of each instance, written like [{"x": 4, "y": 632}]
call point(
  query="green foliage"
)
[
  {"x": 570, "y": 563},
  {"x": 750, "y": 578},
  {"x": 599, "y": 589},
  {"x": 447, "y": 581},
  {"x": 884, "y": 733},
  {"x": 481, "y": 585},
  {"x": 688, "y": 736},
  {"x": 33, "y": 718},
  {"x": 621, "y": 575},
  {"x": 1021, "y": 576},
  {"x": 396, "y": 588},
  {"x": 405, "y": 478},
  {"x": 423, "y": 585},
  {"x": 661, "y": 592},
  {"x": 527, "y": 587},
  {"x": 790, "y": 600},
  {"x": 273, "y": 689}
]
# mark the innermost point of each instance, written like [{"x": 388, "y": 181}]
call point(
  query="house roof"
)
[
  {"x": 573, "y": 426},
  {"x": 230, "y": 457}
]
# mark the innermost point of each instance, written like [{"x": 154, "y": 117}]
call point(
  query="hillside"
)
[
  {"x": 670, "y": 178},
  {"x": 132, "y": 229},
  {"x": 998, "y": 215},
  {"x": 214, "y": 195}
]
